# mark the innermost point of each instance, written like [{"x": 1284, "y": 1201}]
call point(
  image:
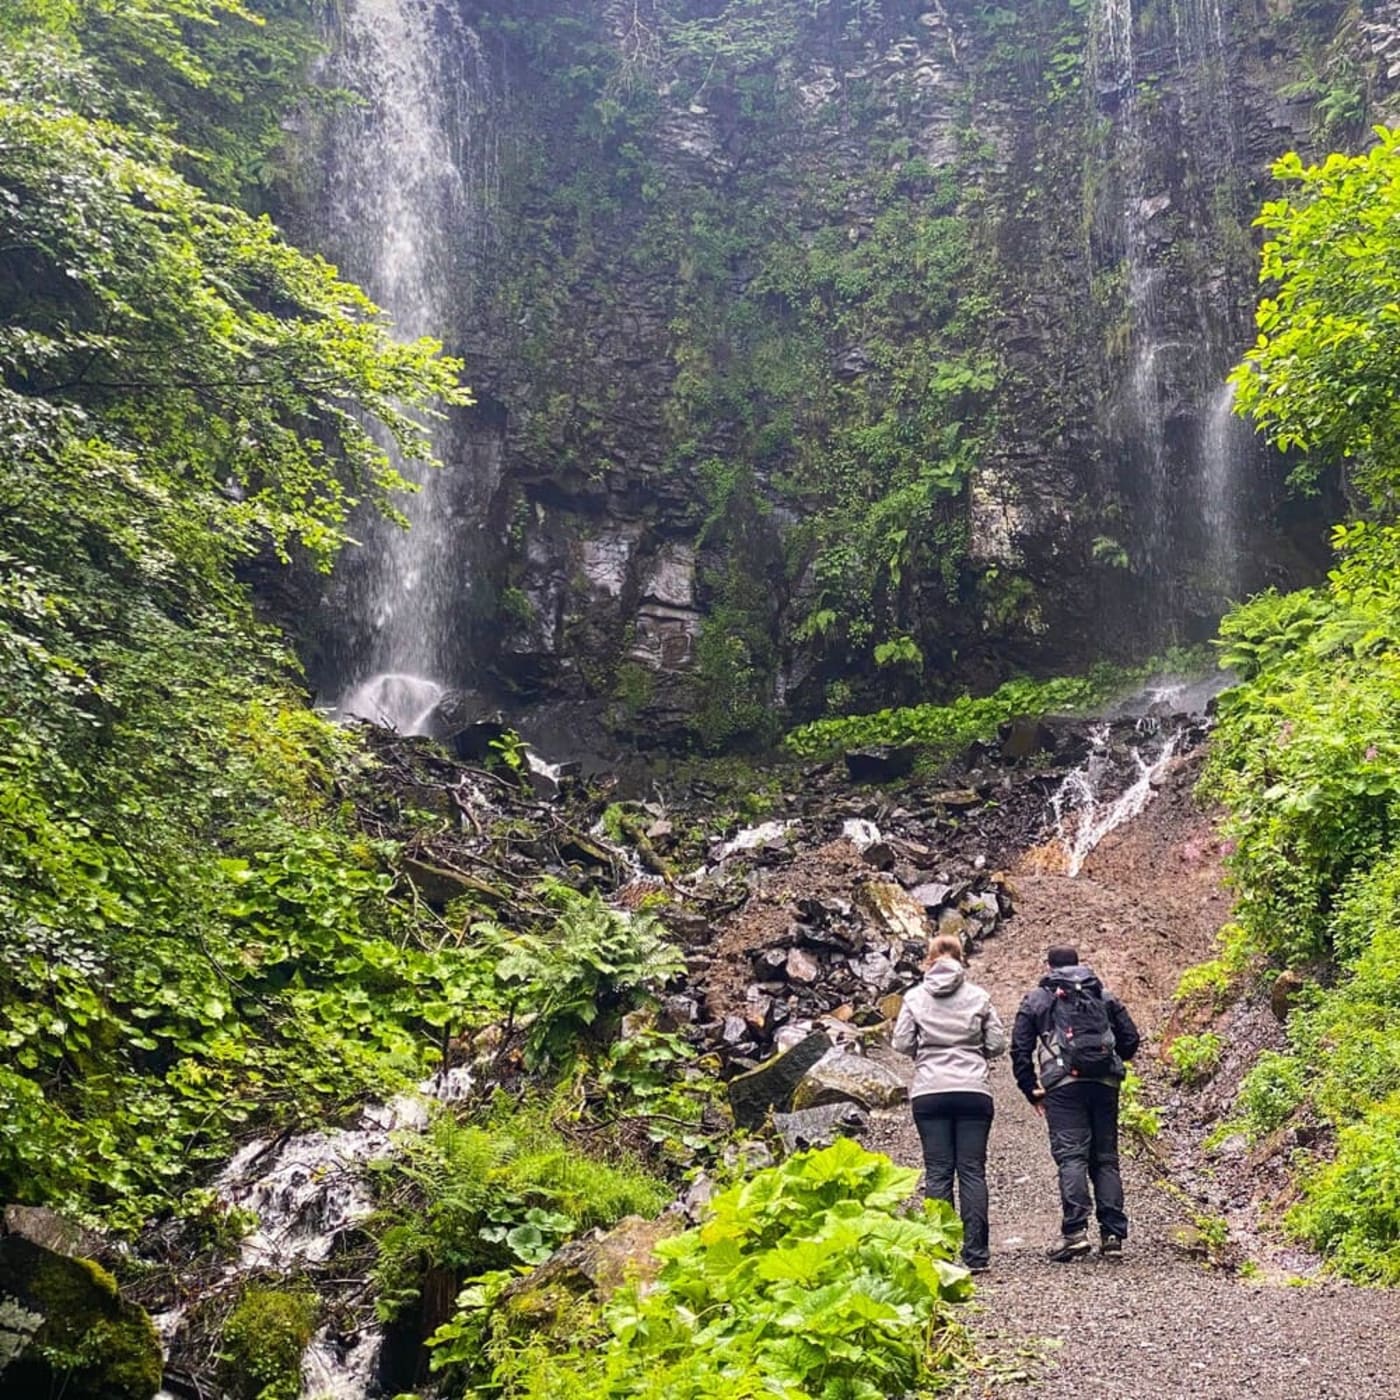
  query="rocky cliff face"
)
[{"x": 829, "y": 354}]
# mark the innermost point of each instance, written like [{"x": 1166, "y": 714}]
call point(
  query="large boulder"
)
[
  {"x": 595, "y": 1266},
  {"x": 66, "y": 1330},
  {"x": 1287, "y": 987},
  {"x": 879, "y": 763},
  {"x": 771, "y": 1085},
  {"x": 1025, "y": 736},
  {"x": 898, "y": 914},
  {"x": 845, "y": 1078}
]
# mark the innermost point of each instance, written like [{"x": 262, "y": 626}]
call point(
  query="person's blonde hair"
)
[{"x": 945, "y": 945}]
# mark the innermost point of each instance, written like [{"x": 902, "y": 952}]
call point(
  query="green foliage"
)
[
  {"x": 263, "y": 1340},
  {"x": 807, "y": 1277},
  {"x": 506, "y": 1190},
  {"x": 900, "y": 651},
  {"x": 1271, "y": 1093},
  {"x": 1137, "y": 1119},
  {"x": 1319, "y": 378},
  {"x": 594, "y": 962},
  {"x": 1195, "y": 1058},
  {"x": 1208, "y": 985},
  {"x": 509, "y": 752},
  {"x": 1351, "y": 1208},
  {"x": 942, "y": 730},
  {"x": 192, "y": 934},
  {"x": 653, "y": 1077},
  {"x": 1108, "y": 551},
  {"x": 1305, "y": 755}
]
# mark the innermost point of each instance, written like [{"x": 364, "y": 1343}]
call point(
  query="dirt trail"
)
[{"x": 1160, "y": 1324}]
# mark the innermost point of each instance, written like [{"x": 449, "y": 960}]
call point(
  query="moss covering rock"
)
[
  {"x": 67, "y": 1329},
  {"x": 264, "y": 1339}
]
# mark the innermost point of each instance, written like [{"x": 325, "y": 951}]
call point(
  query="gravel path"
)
[{"x": 1159, "y": 1325}]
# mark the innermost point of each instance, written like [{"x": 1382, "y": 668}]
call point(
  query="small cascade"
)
[
  {"x": 394, "y": 701},
  {"x": 308, "y": 1195},
  {"x": 1092, "y": 801}
]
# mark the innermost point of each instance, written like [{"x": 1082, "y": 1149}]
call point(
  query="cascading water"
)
[
  {"x": 1227, "y": 450},
  {"x": 412, "y": 176},
  {"x": 1084, "y": 811}
]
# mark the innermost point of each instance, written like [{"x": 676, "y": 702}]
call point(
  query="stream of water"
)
[{"x": 1085, "y": 812}]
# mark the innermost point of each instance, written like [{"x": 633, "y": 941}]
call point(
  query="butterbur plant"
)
[{"x": 808, "y": 1281}]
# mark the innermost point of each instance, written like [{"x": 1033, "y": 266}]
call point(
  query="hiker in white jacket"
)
[{"x": 952, "y": 1030}]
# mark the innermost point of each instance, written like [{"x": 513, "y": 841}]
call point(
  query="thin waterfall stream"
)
[
  {"x": 1181, "y": 454},
  {"x": 1084, "y": 811}
]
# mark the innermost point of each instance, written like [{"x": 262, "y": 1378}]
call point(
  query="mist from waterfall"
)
[
  {"x": 412, "y": 175},
  {"x": 1227, "y": 451}
]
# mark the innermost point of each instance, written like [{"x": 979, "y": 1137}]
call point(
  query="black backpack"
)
[{"x": 1080, "y": 1035}]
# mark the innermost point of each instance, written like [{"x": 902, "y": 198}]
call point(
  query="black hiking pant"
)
[
  {"x": 1083, "y": 1122},
  {"x": 954, "y": 1129}
]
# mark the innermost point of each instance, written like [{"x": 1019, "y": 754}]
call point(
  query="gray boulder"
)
[
  {"x": 771, "y": 1085},
  {"x": 846, "y": 1078},
  {"x": 819, "y": 1127}
]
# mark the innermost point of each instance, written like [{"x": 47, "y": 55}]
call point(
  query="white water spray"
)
[{"x": 1225, "y": 456}]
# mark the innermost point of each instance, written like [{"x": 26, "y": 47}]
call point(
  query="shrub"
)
[
  {"x": 1271, "y": 1093},
  {"x": 1351, "y": 1208},
  {"x": 263, "y": 1341},
  {"x": 594, "y": 961},
  {"x": 1136, "y": 1118},
  {"x": 807, "y": 1279},
  {"x": 1195, "y": 1058},
  {"x": 506, "y": 1190}
]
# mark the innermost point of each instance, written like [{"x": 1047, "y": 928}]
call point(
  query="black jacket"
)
[{"x": 1033, "y": 1026}]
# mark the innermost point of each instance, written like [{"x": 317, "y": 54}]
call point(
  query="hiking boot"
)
[
  {"x": 977, "y": 1268},
  {"x": 1069, "y": 1247},
  {"x": 1111, "y": 1247}
]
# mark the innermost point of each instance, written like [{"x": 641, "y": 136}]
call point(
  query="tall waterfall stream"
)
[{"x": 413, "y": 175}]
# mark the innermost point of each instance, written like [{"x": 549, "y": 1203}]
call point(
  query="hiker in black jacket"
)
[{"x": 1068, "y": 1048}]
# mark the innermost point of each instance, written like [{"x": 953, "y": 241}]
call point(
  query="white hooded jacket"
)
[{"x": 952, "y": 1030}]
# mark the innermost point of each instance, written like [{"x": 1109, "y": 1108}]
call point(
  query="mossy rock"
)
[
  {"x": 264, "y": 1338},
  {"x": 69, "y": 1330}
]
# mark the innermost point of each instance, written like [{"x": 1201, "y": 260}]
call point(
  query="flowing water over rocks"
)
[{"x": 1084, "y": 816}]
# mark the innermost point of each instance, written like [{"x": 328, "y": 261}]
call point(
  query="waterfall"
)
[
  {"x": 411, "y": 174},
  {"x": 1181, "y": 456},
  {"x": 1226, "y": 454}
]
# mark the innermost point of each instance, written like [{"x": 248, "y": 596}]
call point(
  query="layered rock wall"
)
[{"x": 832, "y": 354}]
